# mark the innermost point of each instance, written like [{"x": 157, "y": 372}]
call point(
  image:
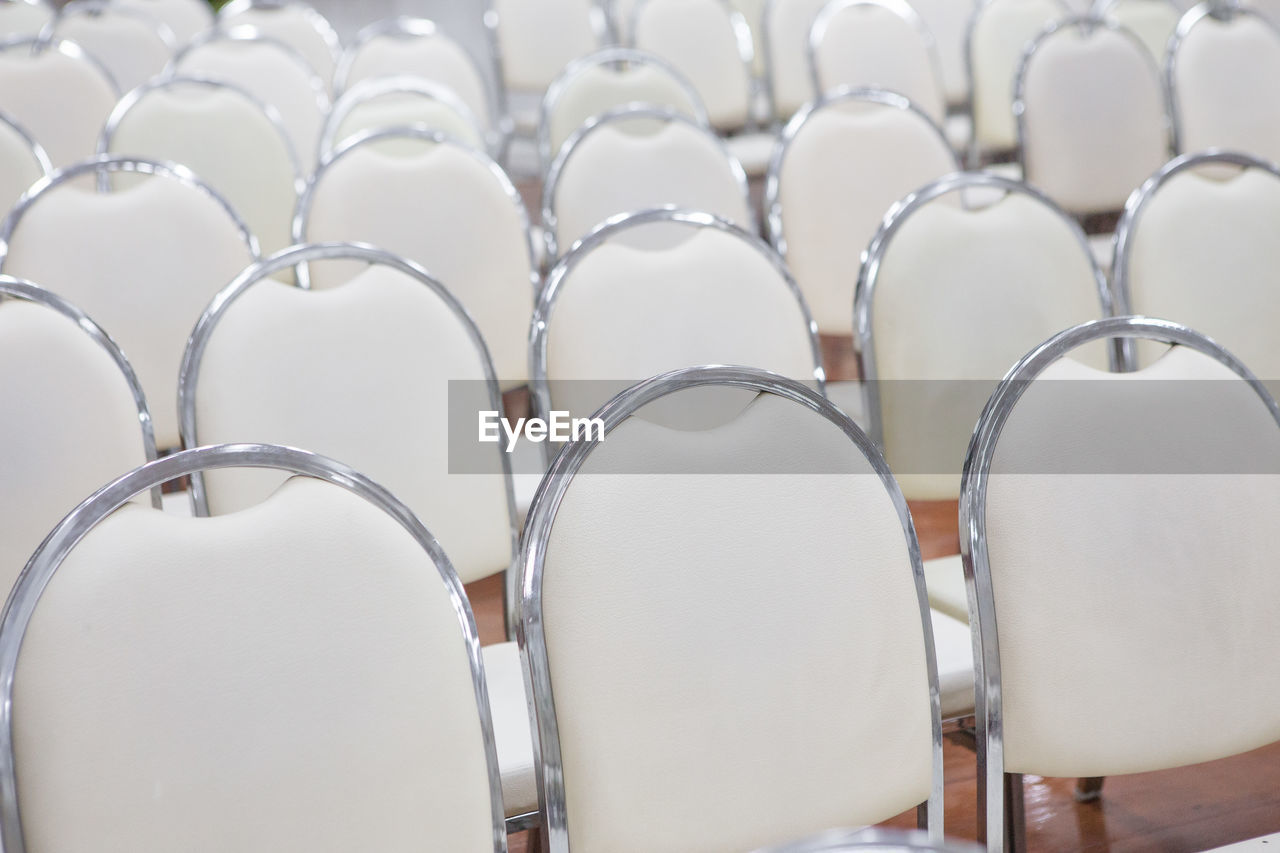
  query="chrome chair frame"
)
[
  {"x": 973, "y": 539},
  {"x": 542, "y": 515},
  {"x": 318, "y": 21},
  {"x": 95, "y": 8},
  {"x": 46, "y": 561},
  {"x": 874, "y": 840},
  {"x": 376, "y": 87},
  {"x": 37, "y": 150}
]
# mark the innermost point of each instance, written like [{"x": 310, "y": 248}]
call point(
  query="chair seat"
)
[
  {"x": 944, "y": 578},
  {"x": 1103, "y": 248},
  {"x": 176, "y": 503},
  {"x": 511, "y": 729},
  {"x": 958, "y": 128},
  {"x": 954, "y": 649},
  {"x": 753, "y": 150},
  {"x": 848, "y": 397}
]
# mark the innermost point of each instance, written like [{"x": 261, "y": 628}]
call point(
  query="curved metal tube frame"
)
[
  {"x": 319, "y": 22},
  {"x": 37, "y": 150},
  {"x": 66, "y": 47},
  {"x": 376, "y": 87}
]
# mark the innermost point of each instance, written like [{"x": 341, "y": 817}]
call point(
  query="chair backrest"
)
[
  {"x": 272, "y": 71},
  {"x": 1223, "y": 79},
  {"x": 841, "y": 163},
  {"x": 449, "y": 208},
  {"x": 34, "y": 75},
  {"x": 416, "y": 47},
  {"x": 132, "y": 45},
  {"x": 948, "y": 298},
  {"x": 75, "y": 416},
  {"x": 1153, "y": 21},
  {"x": 948, "y": 20},
  {"x": 143, "y": 261},
  {"x": 233, "y": 141},
  {"x": 24, "y": 18},
  {"x": 369, "y": 372},
  {"x": 1090, "y": 110},
  {"x": 23, "y": 161},
  {"x": 881, "y": 44},
  {"x": 185, "y": 18},
  {"x": 294, "y": 23},
  {"x": 785, "y": 39},
  {"x": 665, "y": 552},
  {"x": 999, "y": 33},
  {"x": 1115, "y": 548},
  {"x": 380, "y": 103},
  {"x": 635, "y": 158},
  {"x": 532, "y": 40},
  {"x": 874, "y": 840},
  {"x": 709, "y": 42},
  {"x": 612, "y": 313},
  {"x": 752, "y": 12},
  {"x": 309, "y": 666},
  {"x": 1196, "y": 245},
  {"x": 607, "y": 79}
]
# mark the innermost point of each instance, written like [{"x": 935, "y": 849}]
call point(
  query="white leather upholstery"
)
[
  {"x": 962, "y": 295},
  {"x": 132, "y": 47},
  {"x": 225, "y": 138},
  {"x": 358, "y": 373},
  {"x": 24, "y": 18},
  {"x": 143, "y": 262},
  {"x": 84, "y": 95},
  {"x": 1135, "y": 610},
  {"x": 291, "y": 677},
  {"x": 509, "y": 706},
  {"x": 363, "y": 110},
  {"x": 948, "y": 20},
  {"x": 1153, "y": 21},
  {"x": 875, "y": 46},
  {"x": 185, "y": 18},
  {"x": 70, "y": 426},
  {"x": 537, "y": 38},
  {"x": 1001, "y": 31},
  {"x": 953, "y": 646},
  {"x": 19, "y": 165},
  {"x": 446, "y": 209},
  {"x": 296, "y": 24},
  {"x": 626, "y": 165},
  {"x": 846, "y": 165},
  {"x": 624, "y": 314},
  {"x": 753, "y": 151},
  {"x": 1202, "y": 252},
  {"x": 671, "y": 604},
  {"x": 1094, "y": 121},
  {"x": 698, "y": 38},
  {"x": 787, "y": 24},
  {"x": 1222, "y": 72},
  {"x": 274, "y": 74}
]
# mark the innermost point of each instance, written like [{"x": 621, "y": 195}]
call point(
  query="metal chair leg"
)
[
  {"x": 1015, "y": 814},
  {"x": 1089, "y": 788}
]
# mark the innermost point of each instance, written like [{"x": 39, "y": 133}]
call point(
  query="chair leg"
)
[
  {"x": 533, "y": 840},
  {"x": 1015, "y": 814},
  {"x": 1089, "y": 788}
]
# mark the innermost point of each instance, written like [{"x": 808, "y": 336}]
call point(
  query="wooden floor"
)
[{"x": 1189, "y": 809}]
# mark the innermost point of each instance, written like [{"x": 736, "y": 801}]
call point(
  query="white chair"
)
[
  {"x": 1114, "y": 541},
  {"x": 447, "y": 207},
  {"x": 1153, "y": 21},
  {"x": 143, "y": 261},
  {"x": 607, "y": 79},
  {"x": 880, "y": 44},
  {"x": 23, "y": 161},
  {"x": 302, "y": 675},
  {"x": 785, "y": 39},
  {"x": 660, "y": 618},
  {"x": 75, "y": 416},
  {"x": 841, "y": 163},
  {"x": 185, "y": 18},
  {"x": 948, "y": 20},
  {"x": 635, "y": 158},
  {"x": 294, "y": 23},
  {"x": 613, "y": 313},
  {"x": 381, "y": 103},
  {"x": 999, "y": 33},
  {"x": 1196, "y": 245},
  {"x": 132, "y": 45},
  {"x": 270, "y": 70},
  {"x": 232, "y": 140},
  {"x": 1223, "y": 79},
  {"x": 24, "y": 18},
  {"x": 1090, "y": 112},
  {"x": 34, "y": 75}
]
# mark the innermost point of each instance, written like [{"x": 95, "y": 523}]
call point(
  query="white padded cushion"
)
[
  {"x": 753, "y": 151},
  {"x": 962, "y": 295},
  {"x": 272, "y": 75},
  {"x": 29, "y": 84},
  {"x": 23, "y": 19},
  {"x": 948, "y": 20},
  {"x": 670, "y": 603},
  {"x": 130, "y": 47},
  {"x": 437, "y": 58},
  {"x": 875, "y": 47},
  {"x": 446, "y": 210},
  {"x": 358, "y": 373},
  {"x": 298, "y": 666},
  {"x": 401, "y": 109},
  {"x": 788, "y": 23},
  {"x": 944, "y": 577},
  {"x": 1203, "y": 252},
  {"x": 845, "y": 167},
  {"x": 293, "y": 26},
  {"x": 625, "y": 314},
  {"x": 538, "y": 38},
  {"x": 953, "y": 647},
  {"x": 228, "y": 141},
  {"x": 1223, "y": 72},
  {"x": 143, "y": 262},
  {"x": 185, "y": 17},
  {"x": 1153, "y": 21},
  {"x": 509, "y": 705},
  {"x": 19, "y": 167},
  {"x": 616, "y": 169},
  {"x": 697, "y": 37},
  {"x": 70, "y": 426},
  {"x": 1003, "y": 29},
  {"x": 1136, "y": 611}
]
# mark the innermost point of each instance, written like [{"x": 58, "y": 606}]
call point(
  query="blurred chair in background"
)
[{"x": 35, "y": 75}]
